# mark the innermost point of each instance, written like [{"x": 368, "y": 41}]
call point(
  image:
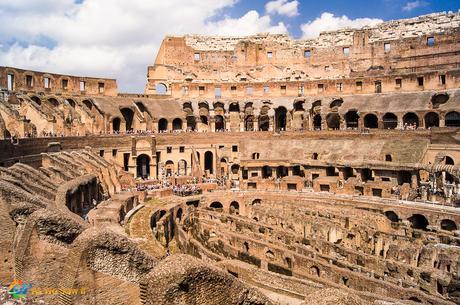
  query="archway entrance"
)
[
  {"x": 128, "y": 115},
  {"x": 333, "y": 121},
  {"x": 264, "y": 123},
  {"x": 410, "y": 119},
  {"x": 143, "y": 166},
  {"x": 280, "y": 115},
  {"x": 371, "y": 121},
  {"x": 431, "y": 120},
  {"x": 220, "y": 124},
  {"x": 177, "y": 124},
  {"x": 317, "y": 122},
  {"x": 116, "y": 124},
  {"x": 453, "y": 119},
  {"x": 351, "y": 119},
  {"x": 162, "y": 125},
  {"x": 208, "y": 162},
  {"x": 390, "y": 121}
]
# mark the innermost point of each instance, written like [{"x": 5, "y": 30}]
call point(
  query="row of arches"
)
[
  {"x": 389, "y": 120},
  {"x": 332, "y": 121},
  {"x": 420, "y": 222}
]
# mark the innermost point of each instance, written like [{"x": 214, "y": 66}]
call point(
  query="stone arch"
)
[
  {"x": 371, "y": 121},
  {"x": 220, "y": 122},
  {"x": 392, "y": 216},
  {"x": 143, "y": 166},
  {"x": 209, "y": 162},
  {"x": 249, "y": 123},
  {"x": 54, "y": 102},
  {"x": 439, "y": 99},
  {"x": 179, "y": 214},
  {"x": 128, "y": 115},
  {"x": 169, "y": 168},
  {"x": 70, "y": 102},
  {"x": 177, "y": 124},
  {"x": 298, "y": 106},
  {"x": 317, "y": 122},
  {"x": 266, "y": 172},
  {"x": 256, "y": 201},
  {"x": 36, "y": 99},
  {"x": 234, "y": 107},
  {"x": 336, "y": 103},
  {"x": 333, "y": 120},
  {"x": 280, "y": 118},
  {"x": 264, "y": 123},
  {"x": 281, "y": 171},
  {"x": 448, "y": 225},
  {"x": 216, "y": 205},
  {"x": 234, "y": 207},
  {"x": 411, "y": 118},
  {"x": 390, "y": 121},
  {"x": 116, "y": 123},
  {"x": 449, "y": 160},
  {"x": 88, "y": 104},
  {"x": 161, "y": 88},
  {"x": 452, "y": 119},
  {"x": 352, "y": 119},
  {"x": 191, "y": 122},
  {"x": 418, "y": 221},
  {"x": 431, "y": 119},
  {"x": 235, "y": 168},
  {"x": 255, "y": 156},
  {"x": 163, "y": 124},
  {"x": 314, "y": 270}
]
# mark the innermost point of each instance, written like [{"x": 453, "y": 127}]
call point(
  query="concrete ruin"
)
[{"x": 252, "y": 170}]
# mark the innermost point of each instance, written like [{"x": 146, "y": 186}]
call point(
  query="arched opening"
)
[
  {"x": 351, "y": 119},
  {"x": 448, "y": 225},
  {"x": 255, "y": 156},
  {"x": 70, "y": 102},
  {"x": 179, "y": 214},
  {"x": 266, "y": 172},
  {"x": 204, "y": 119},
  {"x": 182, "y": 167},
  {"x": 371, "y": 121},
  {"x": 234, "y": 107},
  {"x": 439, "y": 99},
  {"x": 54, "y": 102},
  {"x": 128, "y": 115},
  {"x": 280, "y": 118},
  {"x": 390, "y": 121},
  {"x": 220, "y": 123},
  {"x": 88, "y": 104},
  {"x": 288, "y": 261},
  {"x": 36, "y": 99},
  {"x": 216, "y": 205},
  {"x": 169, "y": 168},
  {"x": 177, "y": 124},
  {"x": 317, "y": 122},
  {"x": 143, "y": 166},
  {"x": 163, "y": 125},
  {"x": 235, "y": 208},
  {"x": 448, "y": 161},
  {"x": 281, "y": 171},
  {"x": 453, "y": 119},
  {"x": 418, "y": 221},
  {"x": 208, "y": 162},
  {"x": 191, "y": 122},
  {"x": 392, "y": 216},
  {"x": 246, "y": 246},
  {"x": 249, "y": 123},
  {"x": 256, "y": 201},
  {"x": 161, "y": 88},
  {"x": 298, "y": 106},
  {"x": 264, "y": 123},
  {"x": 431, "y": 120},
  {"x": 333, "y": 121},
  {"x": 314, "y": 271},
  {"x": 410, "y": 119},
  {"x": 116, "y": 124},
  {"x": 235, "y": 169}
]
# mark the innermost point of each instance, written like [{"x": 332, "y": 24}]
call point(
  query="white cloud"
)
[
  {"x": 413, "y": 5},
  {"x": 250, "y": 23},
  {"x": 110, "y": 38},
  {"x": 329, "y": 22},
  {"x": 283, "y": 7}
]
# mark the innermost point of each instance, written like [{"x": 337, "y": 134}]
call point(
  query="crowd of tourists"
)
[{"x": 186, "y": 190}]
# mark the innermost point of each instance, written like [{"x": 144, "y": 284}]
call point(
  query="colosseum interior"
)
[{"x": 252, "y": 170}]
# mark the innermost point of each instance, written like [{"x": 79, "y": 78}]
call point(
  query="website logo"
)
[{"x": 18, "y": 289}]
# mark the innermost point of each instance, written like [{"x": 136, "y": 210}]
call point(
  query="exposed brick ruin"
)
[{"x": 321, "y": 171}]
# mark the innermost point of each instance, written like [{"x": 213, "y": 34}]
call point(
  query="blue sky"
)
[{"x": 120, "y": 38}]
